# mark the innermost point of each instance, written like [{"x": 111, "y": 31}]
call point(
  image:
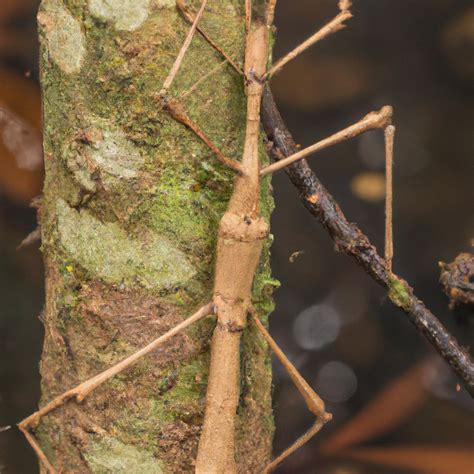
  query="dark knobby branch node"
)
[
  {"x": 348, "y": 238},
  {"x": 457, "y": 279}
]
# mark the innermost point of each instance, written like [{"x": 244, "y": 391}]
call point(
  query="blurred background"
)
[{"x": 397, "y": 408}]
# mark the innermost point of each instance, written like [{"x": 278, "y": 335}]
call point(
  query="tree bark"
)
[{"x": 132, "y": 201}]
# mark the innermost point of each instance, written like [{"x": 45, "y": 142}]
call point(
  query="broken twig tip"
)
[
  {"x": 345, "y": 5},
  {"x": 390, "y": 130},
  {"x": 31, "y": 238},
  {"x": 295, "y": 255},
  {"x": 386, "y": 111}
]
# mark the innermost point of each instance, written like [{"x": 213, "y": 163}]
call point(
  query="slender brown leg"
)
[
  {"x": 177, "y": 111},
  {"x": 36, "y": 448},
  {"x": 336, "y": 24},
  {"x": 248, "y": 15},
  {"x": 271, "y": 5},
  {"x": 190, "y": 18},
  {"x": 174, "y": 107},
  {"x": 313, "y": 401},
  {"x": 389, "y": 137},
  {"x": 373, "y": 120},
  {"x": 184, "y": 48},
  {"x": 81, "y": 391}
]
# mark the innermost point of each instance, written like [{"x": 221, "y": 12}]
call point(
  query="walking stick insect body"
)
[{"x": 242, "y": 232}]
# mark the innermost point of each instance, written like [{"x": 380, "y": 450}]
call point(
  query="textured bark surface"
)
[{"x": 129, "y": 223}]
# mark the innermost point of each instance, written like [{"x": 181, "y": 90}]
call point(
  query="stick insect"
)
[{"x": 242, "y": 232}]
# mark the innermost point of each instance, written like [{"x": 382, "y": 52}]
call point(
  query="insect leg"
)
[
  {"x": 313, "y": 401},
  {"x": 190, "y": 18},
  {"x": 336, "y": 24},
  {"x": 389, "y": 138},
  {"x": 179, "y": 59},
  {"x": 373, "y": 120},
  {"x": 81, "y": 391},
  {"x": 271, "y": 12},
  {"x": 177, "y": 111}
]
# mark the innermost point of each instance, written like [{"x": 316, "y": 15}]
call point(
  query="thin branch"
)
[
  {"x": 190, "y": 18},
  {"x": 179, "y": 114},
  {"x": 179, "y": 59},
  {"x": 389, "y": 137},
  {"x": 371, "y": 121},
  {"x": 350, "y": 239},
  {"x": 333, "y": 26}
]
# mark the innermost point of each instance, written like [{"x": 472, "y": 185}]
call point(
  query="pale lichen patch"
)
[
  {"x": 125, "y": 15},
  {"x": 106, "y": 454},
  {"x": 106, "y": 153},
  {"x": 65, "y": 40},
  {"x": 165, "y": 3},
  {"x": 117, "y": 156},
  {"x": 105, "y": 251}
]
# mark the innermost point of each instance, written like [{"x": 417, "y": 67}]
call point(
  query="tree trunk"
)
[{"x": 132, "y": 202}]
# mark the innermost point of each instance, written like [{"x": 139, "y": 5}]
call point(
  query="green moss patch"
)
[{"x": 399, "y": 293}]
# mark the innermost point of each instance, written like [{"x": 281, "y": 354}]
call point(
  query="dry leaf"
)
[{"x": 20, "y": 139}]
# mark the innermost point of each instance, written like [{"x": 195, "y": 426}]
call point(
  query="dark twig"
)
[{"x": 351, "y": 240}]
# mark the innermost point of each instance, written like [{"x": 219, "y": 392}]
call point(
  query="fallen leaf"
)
[
  {"x": 21, "y": 140},
  {"x": 21, "y": 173}
]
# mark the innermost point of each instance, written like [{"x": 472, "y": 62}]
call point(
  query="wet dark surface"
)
[{"x": 333, "y": 321}]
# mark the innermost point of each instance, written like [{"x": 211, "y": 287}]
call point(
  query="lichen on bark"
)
[{"x": 132, "y": 201}]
